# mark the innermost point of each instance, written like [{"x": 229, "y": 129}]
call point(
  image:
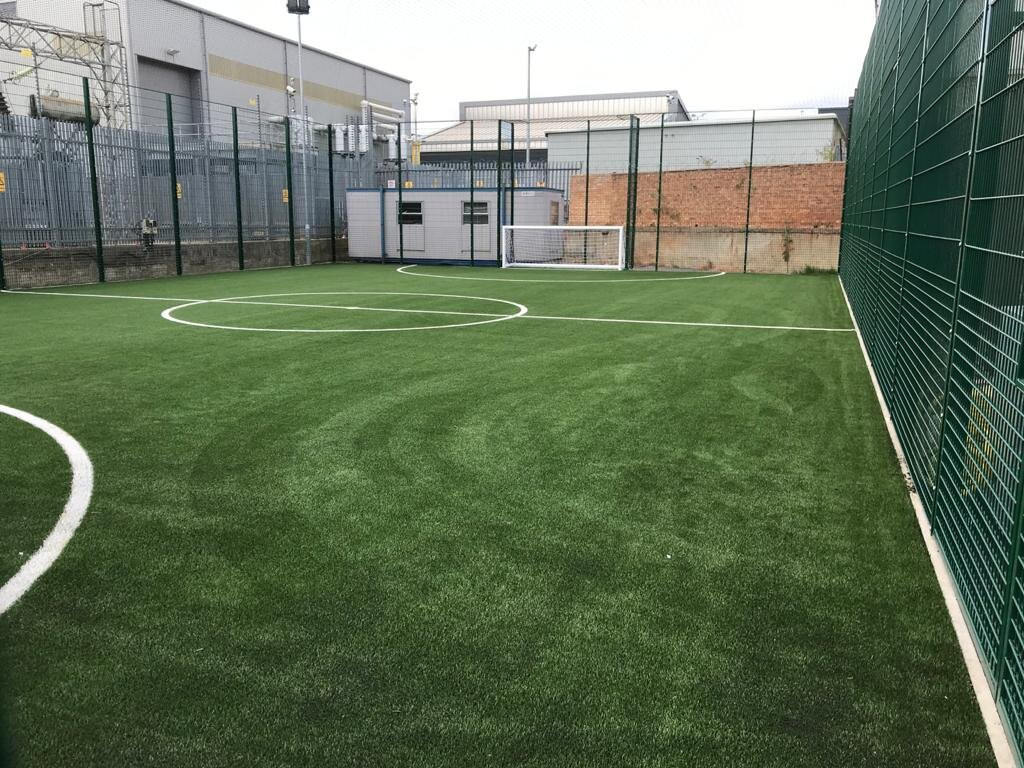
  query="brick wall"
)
[
  {"x": 796, "y": 197},
  {"x": 795, "y": 217}
]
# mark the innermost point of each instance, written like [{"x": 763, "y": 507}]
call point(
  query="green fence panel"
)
[{"x": 933, "y": 264}]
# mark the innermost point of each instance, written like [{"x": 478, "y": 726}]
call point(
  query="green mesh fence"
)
[{"x": 932, "y": 259}]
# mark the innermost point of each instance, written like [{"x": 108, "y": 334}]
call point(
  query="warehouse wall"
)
[{"x": 233, "y": 64}]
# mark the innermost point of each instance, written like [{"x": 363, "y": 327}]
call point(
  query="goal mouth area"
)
[{"x": 563, "y": 247}]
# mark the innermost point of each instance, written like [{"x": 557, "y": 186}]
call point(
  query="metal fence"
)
[
  {"x": 194, "y": 186},
  {"x": 758, "y": 191},
  {"x": 932, "y": 259}
]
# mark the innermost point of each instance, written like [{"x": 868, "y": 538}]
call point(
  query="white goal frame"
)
[{"x": 620, "y": 231}]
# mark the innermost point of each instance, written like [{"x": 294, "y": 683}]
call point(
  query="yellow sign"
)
[
  {"x": 408, "y": 184},
  {"x": 3, "y": 181},
  {"x": 479, "y": 182},
  {"x": 179, "y": 191},
  {"x": 416, "y": 149},
  {"x": 254, "y": 102},
  {"x": 26, "y": 53},
  {"x": 541, "y": 183},
  {"x": 284, "y": 195}
]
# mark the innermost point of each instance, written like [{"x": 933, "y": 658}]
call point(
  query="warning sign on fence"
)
[
  {"x": 284, "y": 195},
  {"x": 178, "y": 191},
  {"x": 3, "y": 181}
]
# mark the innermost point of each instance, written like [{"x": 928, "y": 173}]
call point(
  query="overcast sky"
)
[{"x": 718, "y": 55}]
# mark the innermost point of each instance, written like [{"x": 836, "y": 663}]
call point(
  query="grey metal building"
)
[
  {"x": 178, "y": 48},
  {"x": 548, "y": 114},
  {"x": 703, "y": 144}
]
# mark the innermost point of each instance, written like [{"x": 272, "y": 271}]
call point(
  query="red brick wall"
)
[{"x": 796, "y": 197}]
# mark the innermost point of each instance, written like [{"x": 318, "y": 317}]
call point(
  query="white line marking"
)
[
  {"x": 691, "y": 324},
  {"x": 171, "y": 300},
  {"x": 168, "y": 314},
  {"x": 98, "y": 295},
  {"x": 979, "y": 680},
  {"x": 70, "y": 519},
  {"x": 359, "y": 309},
  {"x": 497, "y": 317},
  {"x": 402, "y": 270}
]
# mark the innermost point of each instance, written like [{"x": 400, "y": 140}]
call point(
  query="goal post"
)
[{"x": 563, "y": 247}]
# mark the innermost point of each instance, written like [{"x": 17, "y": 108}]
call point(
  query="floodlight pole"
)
[
  {"x": 529, "y": 127},
  {"x": 305, "y": 140}
]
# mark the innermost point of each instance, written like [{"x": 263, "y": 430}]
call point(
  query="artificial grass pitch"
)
[{"x": 529, "y": 542}]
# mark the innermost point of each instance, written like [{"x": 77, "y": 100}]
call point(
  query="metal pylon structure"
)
[{"x": 103, "y": 57}]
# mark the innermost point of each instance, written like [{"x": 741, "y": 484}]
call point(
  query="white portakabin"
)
[{"x": 563, "y": 247}]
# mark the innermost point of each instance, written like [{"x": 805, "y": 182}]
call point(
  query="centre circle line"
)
[
  {"x": 168, "y": 314},
  {"x": 357, "y": 309}
]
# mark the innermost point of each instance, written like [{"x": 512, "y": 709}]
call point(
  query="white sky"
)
[{"x": 719, "y": 55}]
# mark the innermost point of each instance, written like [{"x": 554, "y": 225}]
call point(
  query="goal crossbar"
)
[{"x": 563, "y": 247}]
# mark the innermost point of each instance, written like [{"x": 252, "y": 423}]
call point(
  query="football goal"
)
[{"x": 568, "y": 247}]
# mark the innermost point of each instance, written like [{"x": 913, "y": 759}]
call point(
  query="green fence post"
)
[
  {"x": 238, "y": 188},
  {"x": 586, "y": 201},
  {"x": 631, "y": 188},
  {"x": 846, "y": 180},
  {"x": 661, "y": 173},
  {"x": 172, "y": 162},
  {"x": 472, "y": 196},
  {"x": 97, "y": 217},
  {"x": 291, "y": 197},
  {"x": 330, "y": 188},
  {"x": 512, "y": 177},
  {"x": 750, "y": 191},
  {"x": 401, "y": 221},
  {"x": 586, "y": 197},
  {"x": 3, "y": 280},
  {"x": 499, "y": 194}
]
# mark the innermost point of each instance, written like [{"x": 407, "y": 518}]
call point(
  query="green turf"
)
[{"x": 531, "y": 542}]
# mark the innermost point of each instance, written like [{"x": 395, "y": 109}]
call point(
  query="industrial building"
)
[
  {"x": 547, "y": 115},
  {"x": 170, "y": 46},
  {"x": 703, "y": 144}
]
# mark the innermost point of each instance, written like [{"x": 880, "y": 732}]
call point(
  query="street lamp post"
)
[
  {"x": 301, "y": 8},
  {"x": 529, "y": 122}
]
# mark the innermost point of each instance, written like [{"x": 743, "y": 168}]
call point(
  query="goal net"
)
[{"x": 574, "y": 247}]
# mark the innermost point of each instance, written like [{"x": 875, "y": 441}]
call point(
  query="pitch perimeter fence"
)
[
  {"x": 932, "y": 259},
  {"x": 194, "y": 186}
]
